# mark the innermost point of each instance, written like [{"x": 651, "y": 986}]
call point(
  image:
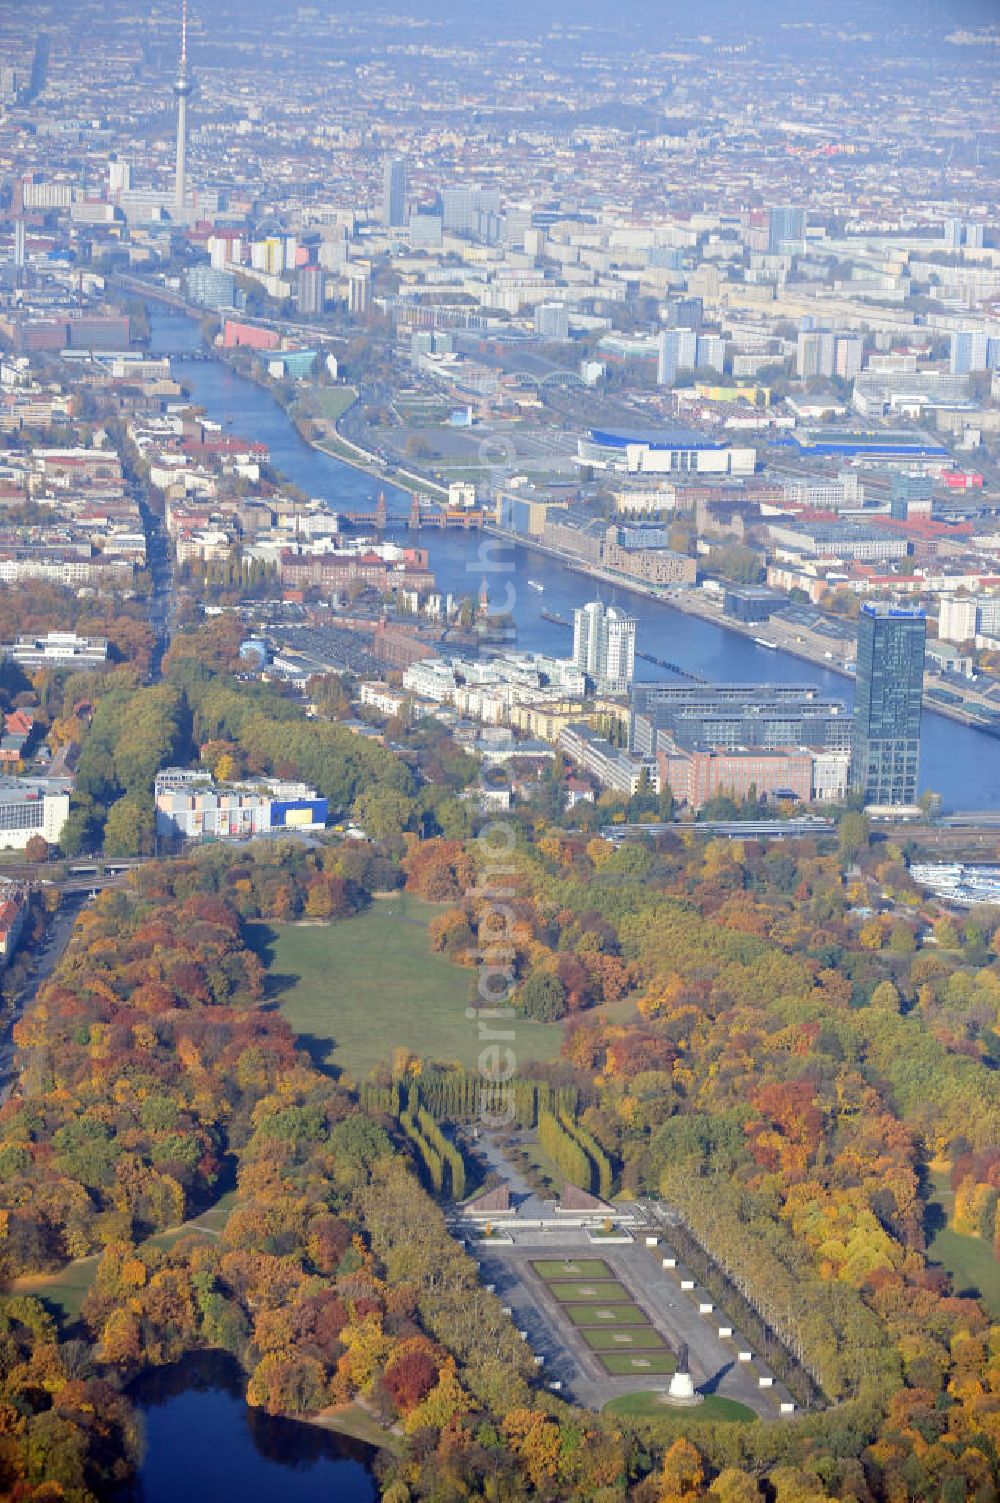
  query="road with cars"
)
[{"x": 45, "y": 960}]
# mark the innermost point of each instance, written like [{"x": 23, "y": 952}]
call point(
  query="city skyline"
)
[{"x": 500, "y": 751}]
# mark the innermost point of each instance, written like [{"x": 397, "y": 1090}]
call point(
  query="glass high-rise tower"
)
[
  {"x": 785, "y": 223},
  {"x": 888, "y": 703},
  {"x": 394, "y": 192}
]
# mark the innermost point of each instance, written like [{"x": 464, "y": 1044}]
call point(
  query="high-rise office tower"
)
[
  {"x": 958, "y": 233},
  {"x": 816, "y": 353},
  {"x": 848, "y": 356},
  {"x": 469, "y": 210},
  {"x": 425, "y": 231},
  {"x": 394, "y": 192},
  {"x": 460, "y": 209},
  {"x": 970, "y": 351},
  {"x": 684, "y": 313},
  {"x": 678, "y": 350},
  {"x": 517, "y": 223},
  {"x": 359, "y": 289},
  {"x": 119, "y": 178},
  {"x": 312, "y": 286},
  {"x": 183, "y": 86},
  {"x": 888, "y": 703},
  {"x": 783, "y": 224},
  {"x": 552, "y": 320},
  {"x": 711, "y": 352}
]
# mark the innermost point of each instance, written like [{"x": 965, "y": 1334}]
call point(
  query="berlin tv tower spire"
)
[{"x": 182, "y": 88}]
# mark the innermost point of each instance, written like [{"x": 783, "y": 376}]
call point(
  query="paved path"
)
[{"x": 528, "y": 1203}]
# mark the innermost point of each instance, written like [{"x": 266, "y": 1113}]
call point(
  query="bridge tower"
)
[
  {"x": 381, "y": 512},
  {"x": 414, "y": 518}
]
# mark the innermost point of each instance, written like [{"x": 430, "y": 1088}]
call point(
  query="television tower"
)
[{"x": 183, "y": 86}]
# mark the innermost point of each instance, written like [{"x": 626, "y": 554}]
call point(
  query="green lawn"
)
[
  {"x": 62, "y": 1292},
  {"x": 578, "y": 1268},
  {"x": 330, "y": 401},
  {"x": 641, "y": 1337},
  {"x": 357, "y": 989},
  {"x": 606, "y": 1315},
  {"x": 357, "y": 1422},
  {"x": 651, "y": 1406},
  {"x": 580, "y": 1293},
  {"x": 969, "y": 1260},
  {"x": 622, "y": 1365}
]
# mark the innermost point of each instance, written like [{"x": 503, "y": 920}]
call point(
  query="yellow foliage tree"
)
[{"x": 682, "y": 1475}]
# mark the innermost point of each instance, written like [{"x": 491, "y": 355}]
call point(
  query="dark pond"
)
[{"x": 205, "y": 1445}]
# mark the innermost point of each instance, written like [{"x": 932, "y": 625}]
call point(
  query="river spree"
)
[
  {"x": 960, "y": 764},
  {"x": 204, "y": 1444}
]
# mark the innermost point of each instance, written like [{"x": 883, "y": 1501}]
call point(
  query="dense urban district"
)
[{"x": 517, "y": 1076}]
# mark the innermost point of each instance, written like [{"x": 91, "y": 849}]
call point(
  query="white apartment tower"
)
[
  {"x": 604, "y": 646},
  {"x": 619, "y": 654},
  {"x": 588, "y": 630}
]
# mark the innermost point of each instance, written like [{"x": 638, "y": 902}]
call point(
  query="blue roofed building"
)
[{"x": 679, "y": 451}]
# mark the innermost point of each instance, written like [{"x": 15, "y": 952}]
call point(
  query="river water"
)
[{"x": 960, "y": 764}]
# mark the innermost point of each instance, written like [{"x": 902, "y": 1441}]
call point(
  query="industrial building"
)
[{"x": 191, "y": 806}]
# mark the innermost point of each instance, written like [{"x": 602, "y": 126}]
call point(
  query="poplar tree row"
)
[
  {"x": 459, "y": 1096},
  {"x": 430, "y": 1159},
  {"x": 601, "y": 1175},
  {"x": 567, "y": 1155},
  {"x": 441, "y": 1159}
]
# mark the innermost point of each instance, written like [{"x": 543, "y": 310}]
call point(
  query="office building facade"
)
[
  {"x": 888, "y": 704},
  {"x": 970, "y": 351},
  {"x": 552, "y": 321},
  {"x": 394, "y": 192},
  {"x": 213, "y": 289},
  {"x": 677, "y": 350},
  {"x": 359, "y": 290},
  {"x": 312, "y": 290},
  {"x": 470, "y": 210},
  {"x": 768, "y": 716},
  {"x": 785, "y": 224},
  {"x": 57, "y": 649},
  {"x": 32, "y": 806}
]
